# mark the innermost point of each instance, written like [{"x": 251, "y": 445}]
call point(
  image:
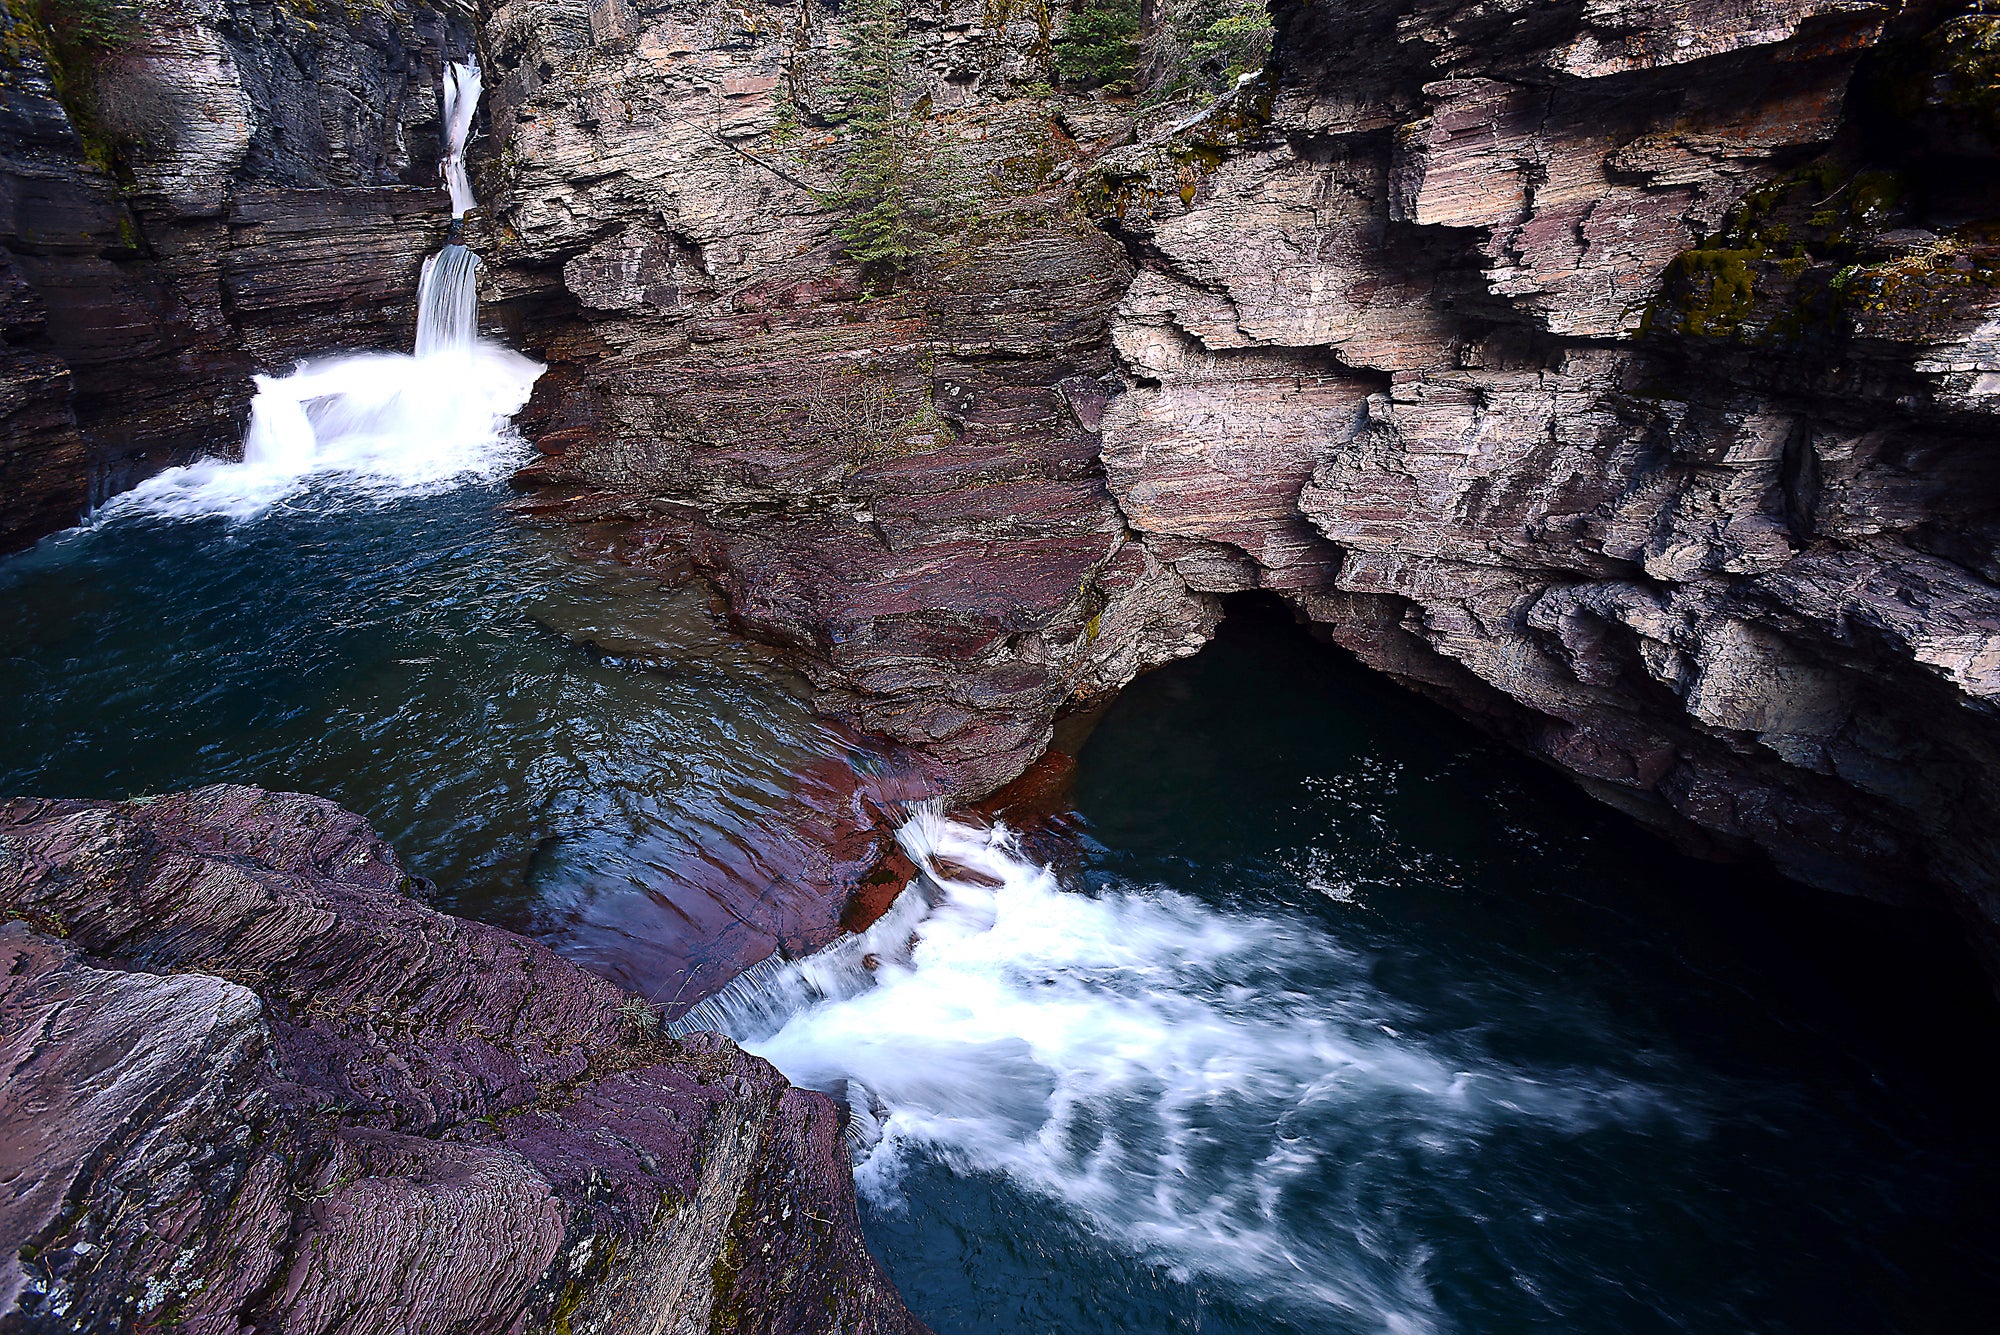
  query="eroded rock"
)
[{"x": 251, "y": 1081}]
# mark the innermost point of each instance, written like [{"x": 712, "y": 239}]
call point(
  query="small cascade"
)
[
  {"x": 759, "y": 1002},
  {"x": 1163, "y": 1067},
  {"x": 448, "y": 302}
]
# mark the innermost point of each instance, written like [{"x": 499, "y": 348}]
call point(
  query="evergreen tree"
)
[
  {"x": 1099, "y": 46},
  {"x": 90, "y": 25},
  {"x": 892, "y": 190}
]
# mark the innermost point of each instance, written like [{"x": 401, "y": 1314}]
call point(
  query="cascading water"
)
[
  {"x": 1149, "y": 1061},
  {"x": 448, "y": 296},
  {"x": 382, "y": 423},
  {"x": 1332, "y": 1024},
  {"x": 462, "y": 88},
  {"x": 448, "y": 302}
]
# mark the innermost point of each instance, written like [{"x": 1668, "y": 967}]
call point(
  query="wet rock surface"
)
[{"x": 252, "y": 1081}]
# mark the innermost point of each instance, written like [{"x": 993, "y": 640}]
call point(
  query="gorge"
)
[{"x": 1616, "y": 374}]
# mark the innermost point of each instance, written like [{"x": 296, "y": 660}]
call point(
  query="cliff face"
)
[
  {"x": 249, "y": 1081},
  {"x": 899, "y": 482},
  {"x": 215, "y": 187},
  {"x": 1619, "y": 375},
  {"x": 1648, "y": 357}
]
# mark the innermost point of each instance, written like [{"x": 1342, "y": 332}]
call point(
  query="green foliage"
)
[
  {"x": 1099, "y": 46},
  {"x": 74, "y": 35},
  {"x": 1237, "y": 43},
  {"x": 90, "y": 26},
  {"x": 900, "y": 185},
  {"x": 1204, "y": 46}
]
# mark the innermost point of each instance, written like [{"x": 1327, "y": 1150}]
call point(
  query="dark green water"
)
[
  {"x": 575, "y": 750},
  {"x": 1518, "y": 1067}
]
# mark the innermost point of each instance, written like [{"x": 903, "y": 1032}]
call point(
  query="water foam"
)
[
  {"x": 1173, "y": 1073},
  {"x": 373, "y": 424}
]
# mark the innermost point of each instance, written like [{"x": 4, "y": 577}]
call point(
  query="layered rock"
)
[
  {"x": 220, "y": 188},
  {"x": 251, "y": 1081},
  {"x": 1571, "y": 362},
  {"x": 897, "y": 480},
  {"x": 1674, "y": 404}
]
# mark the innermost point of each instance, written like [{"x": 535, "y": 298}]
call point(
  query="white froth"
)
[{"x": 1159, "y": 1067}]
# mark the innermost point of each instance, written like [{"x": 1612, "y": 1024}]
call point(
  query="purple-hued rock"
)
[{"x": 251, "y": 1083}]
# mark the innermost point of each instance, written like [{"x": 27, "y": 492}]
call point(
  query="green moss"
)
[
  {"x": 72, "y": 37},
  {"x": 1756, "y": 276},
  {"x": 728, "y": 1314},
  {"x": 1716, "y": 291}
]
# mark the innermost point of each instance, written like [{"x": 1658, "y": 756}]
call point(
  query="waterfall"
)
[
  {"x": 448, "y": 302},
  {"x": 1171, "y": 1071},
  {"x": 382, "y": 423},
  {"x": 462, "y": 87},
  {"x": 448, "y": 295}
]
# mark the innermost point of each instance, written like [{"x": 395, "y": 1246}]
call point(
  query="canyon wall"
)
[
  {"x": 900, "y": 481},
  {"x": 251, "y": 1081},
  {"x": 1620, "y": 375},
  {"x": 201, "y": 190},
  {"x": 1653, "y": 352}
]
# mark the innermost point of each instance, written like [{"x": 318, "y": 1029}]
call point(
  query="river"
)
[{"x": 1317, "y": 1014}]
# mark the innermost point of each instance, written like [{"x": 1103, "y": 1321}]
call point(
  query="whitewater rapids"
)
[{"x": 1167, "y": 1071}]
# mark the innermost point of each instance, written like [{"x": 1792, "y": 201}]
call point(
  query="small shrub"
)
[
  {"x": 637, "y": 1019},
  {"x": 1237, "y": 43}
]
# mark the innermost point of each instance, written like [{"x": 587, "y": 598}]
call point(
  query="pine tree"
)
[
  {"x": 1099, "y": 47},
  {"x": 891, "y": 187}
]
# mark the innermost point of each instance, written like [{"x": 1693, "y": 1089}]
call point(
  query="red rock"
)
[{"x": 258, "y": 1085}]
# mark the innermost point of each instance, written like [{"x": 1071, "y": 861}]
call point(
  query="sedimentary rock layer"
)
[
  {"x": 1620, "y": 375},
  {"x": 251, "y": 1081},
  {"x": 896, "y": 479},
  {"x": 1671, "y": 343}
]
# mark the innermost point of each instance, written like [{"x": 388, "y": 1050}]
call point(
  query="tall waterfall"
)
[
  {"x": 378, "y": 422},
  {"x": 448, "y": 297},
  {"x": 462, "y": 87}
]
